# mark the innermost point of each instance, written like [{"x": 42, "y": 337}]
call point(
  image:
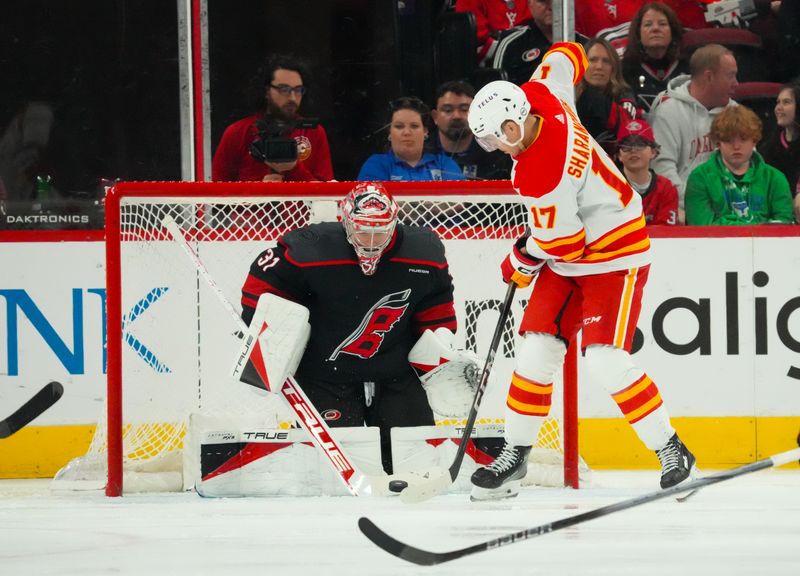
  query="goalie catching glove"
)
[
  {"x": 520, "y": 268},
  {"x": 449, "y": 377}
]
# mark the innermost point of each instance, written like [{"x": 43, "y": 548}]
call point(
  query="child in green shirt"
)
[{"x": 735, "y": 186}]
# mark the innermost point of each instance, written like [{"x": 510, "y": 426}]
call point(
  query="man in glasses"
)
[
  {"x": 275, "y": 144},
  {"x": 454, "y": 138}
]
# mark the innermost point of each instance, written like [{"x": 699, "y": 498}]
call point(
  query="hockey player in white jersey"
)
[{"x": 589, "y": 252}]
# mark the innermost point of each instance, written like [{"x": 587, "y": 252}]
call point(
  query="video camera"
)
[
  {"x": 730, "y": 12},
  {"x": 273, "y": 143}
]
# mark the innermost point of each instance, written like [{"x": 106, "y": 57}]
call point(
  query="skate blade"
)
[
  {"x": 508, "y": 490},
  {"x": 694, "y": 474}
]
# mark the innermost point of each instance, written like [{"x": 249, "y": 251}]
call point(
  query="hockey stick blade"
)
[
  {"x": 425, "y": 485},
  {"x": 427, "y": 558},
  {"x": 33, "y": 408}
]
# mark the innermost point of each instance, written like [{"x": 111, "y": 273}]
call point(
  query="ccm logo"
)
[{"x": 592, "y": 320}]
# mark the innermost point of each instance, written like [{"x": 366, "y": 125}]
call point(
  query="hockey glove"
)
[{"x": 520, "y": 268}]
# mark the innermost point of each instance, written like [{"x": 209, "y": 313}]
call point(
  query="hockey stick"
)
[
  {"x": 421, "y": 486},
  {"x": 355, "y": 481},
  {"x": 33, "y": 408},
  {"x": 427, "y": 558}
]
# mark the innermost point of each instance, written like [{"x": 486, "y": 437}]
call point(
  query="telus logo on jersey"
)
[{"x": 366, "y": 340}]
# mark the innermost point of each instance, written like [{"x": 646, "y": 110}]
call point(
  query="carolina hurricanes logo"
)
[
  {"x": 366, "y": 340},
  {"x": 531, "y": 55},
  {"x": 372, "y": 202},
  {"x": 303, "y": 148},
  {"x": 331, "y": 414}
]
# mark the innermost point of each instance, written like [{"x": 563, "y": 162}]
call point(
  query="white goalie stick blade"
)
[
  {"x": 421, "y": 486},
  {"x": 308, "y": 415},
  {"x": 427, "y": 558},
  {"x": 32, "y": 409}
]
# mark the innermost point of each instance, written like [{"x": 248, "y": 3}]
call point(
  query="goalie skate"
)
[{"x": 501, "y": 478}]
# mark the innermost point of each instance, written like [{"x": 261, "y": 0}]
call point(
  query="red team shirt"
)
[
  {"x": 233, "y": 162},
  {"x": 660, "y": 201}
]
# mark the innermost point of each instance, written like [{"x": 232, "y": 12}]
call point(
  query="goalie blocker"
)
[{"x": 272, "y": 348}]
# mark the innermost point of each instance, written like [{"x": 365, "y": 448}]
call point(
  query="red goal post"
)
[{"x": 478, "y": 221}]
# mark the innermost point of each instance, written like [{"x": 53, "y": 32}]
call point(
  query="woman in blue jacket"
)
[{"x": 407, "y": 159}]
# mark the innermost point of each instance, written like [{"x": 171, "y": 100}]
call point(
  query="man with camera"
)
[{"x": 276, "y": 144}]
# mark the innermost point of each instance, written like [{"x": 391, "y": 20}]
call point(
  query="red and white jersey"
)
[{"x": 585, "y": 217}]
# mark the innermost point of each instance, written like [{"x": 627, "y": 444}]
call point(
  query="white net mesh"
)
[{"x": 179, "y": 342}]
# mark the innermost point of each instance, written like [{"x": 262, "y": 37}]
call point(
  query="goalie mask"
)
[
  {"x": 369, "y": 216},
  {"x": 492, "y": 106}
]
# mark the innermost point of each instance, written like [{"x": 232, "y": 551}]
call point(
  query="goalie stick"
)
[
  {"x": 421, "y": 486},
  {"x": 427, "y": 558},
  {"x": 33, "y": 408},
  {"x": 355, "y": 481}
]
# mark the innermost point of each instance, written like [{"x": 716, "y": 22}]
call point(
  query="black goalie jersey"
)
[{"x": 362, "y": 327}]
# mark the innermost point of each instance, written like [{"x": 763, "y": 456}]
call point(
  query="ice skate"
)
[
  {"x": 501, "y": 478},
  {"x": 677, "y": 463}
]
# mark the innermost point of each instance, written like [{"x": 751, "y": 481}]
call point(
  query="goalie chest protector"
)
[{"x": 362, "y": 327}]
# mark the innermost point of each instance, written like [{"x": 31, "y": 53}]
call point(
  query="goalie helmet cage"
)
[{"x": 230, "y": 223}]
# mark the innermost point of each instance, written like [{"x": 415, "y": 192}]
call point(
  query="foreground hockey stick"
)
[
  {"x": 40, "y": 402},
  {"x": 355, "y": 481},
  {"x": 426, "y": 558},
  {"x": 423, "y": 485}
]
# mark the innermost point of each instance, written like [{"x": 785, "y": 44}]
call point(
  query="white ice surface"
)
[{"x": 747, "y": 526}]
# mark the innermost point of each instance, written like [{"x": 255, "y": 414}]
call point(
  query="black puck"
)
[{"x": 398, "y": 485}]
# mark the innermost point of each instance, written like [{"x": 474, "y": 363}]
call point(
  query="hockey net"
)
[{"x": 171, "y": 344}]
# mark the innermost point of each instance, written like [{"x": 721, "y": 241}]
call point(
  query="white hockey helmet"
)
[
  {"x": 369, "y": 216},
  {"x": 495, "y": 103}
]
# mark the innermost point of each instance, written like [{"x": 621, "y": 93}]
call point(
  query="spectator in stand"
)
[
  {"x": 519, "y": 50},
  {"x": 782, "y": 150},
  {"x": 24, "y": 146},
  {"x": 491, "y": 18},
  {"x": 454, "y": 138},
  {"x": 735, "y": 185},
  {"x": 637, "y": 148},
  {"x": 652, "y": 57},
  {"x": 604, "y": 101},
  {"x": 681, "y": 117},
  {"x": 611, "y": 19},
  {"x": 277, "y": 92},
  {"x": 407, "y": 158}
]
